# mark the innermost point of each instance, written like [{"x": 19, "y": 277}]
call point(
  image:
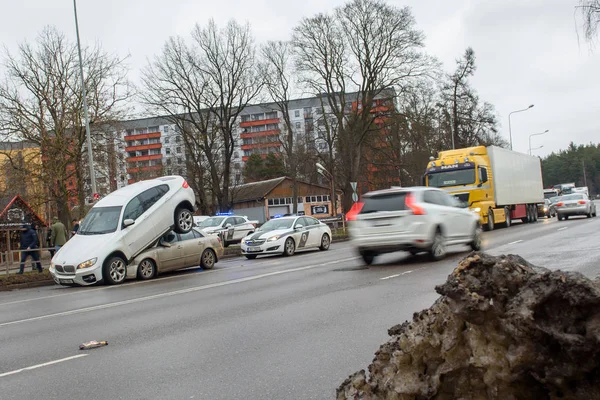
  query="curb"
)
[{"x": 26, "y": 285}]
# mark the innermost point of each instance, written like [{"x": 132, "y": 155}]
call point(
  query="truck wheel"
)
[
  {"x": 508, "y": 222},
  {"x": 490, "y": 223},
  {"x": 535, "y": 213}
]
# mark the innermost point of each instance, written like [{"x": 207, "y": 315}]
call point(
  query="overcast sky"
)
[{"x": 528, "y": 51}]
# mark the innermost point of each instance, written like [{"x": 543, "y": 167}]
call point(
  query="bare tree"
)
[
  {"x": 41, "y": 103},
  {"x": 277, "y": 73},
  {"x": 471, "y": 122},
  {"x": 203, "y": 88},
  {"x": 590, "y": 12},
  {"x": 354, "y": 57}
]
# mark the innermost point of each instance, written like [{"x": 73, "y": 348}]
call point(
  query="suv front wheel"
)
[{"x": 438, "y": 246}]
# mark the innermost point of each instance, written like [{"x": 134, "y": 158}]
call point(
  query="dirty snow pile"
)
[{"x": 502, "y": 329}]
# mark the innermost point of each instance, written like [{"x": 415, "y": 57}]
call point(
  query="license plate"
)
[
  {"x": 66, "y": 280},
  {"x": 254, "y": 249}
]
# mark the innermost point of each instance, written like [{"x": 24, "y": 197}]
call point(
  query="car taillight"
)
[
  {"x": 185, "y": 185},
  {"x": 354, "y": 210},
  {"x": 560, "y": 204},
  {"x": 410, "y": 202},
  {"x": 582, "y": 202}
]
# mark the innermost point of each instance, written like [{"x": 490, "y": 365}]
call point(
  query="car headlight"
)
[
  {"x": 476, "y": 210},
  {"x": 545, "y": 208},
  {"x": 273, "y": 238},
  {"x": 87, "y": 264}
]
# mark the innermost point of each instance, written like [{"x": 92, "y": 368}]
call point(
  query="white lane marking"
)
[
  {"x": 41, "y": 365},
  {"x": 395, "y": 276},
  {"x": 168, "y": 294},
  {"x": 563, "y": 228},
  {"x": 88, "y": 290},
  {"x": 516, "y": 241}
]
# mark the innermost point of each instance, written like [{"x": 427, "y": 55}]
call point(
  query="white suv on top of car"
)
[
  {"x": 122, "y": 225},
  {"x": 414, "y": 219}
]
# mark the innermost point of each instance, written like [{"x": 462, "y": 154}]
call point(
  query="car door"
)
[
  {"x": 461, "y": 218},
  {"x": 170, "y": 252},
  {"x": 192, "y": 248},
  {"x": 438, "y": 214},
  {"x": 301, "y": 233},
  {"x": 314, "y": 232},
  {"x": 242, "y": 228},
  {"x": 229, "y": 229},
  {"x": 139, "y": 235},
  {"x": 160, "y": 217}
]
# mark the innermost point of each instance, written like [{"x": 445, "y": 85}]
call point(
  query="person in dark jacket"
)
[{"x": 29, "y": 245}]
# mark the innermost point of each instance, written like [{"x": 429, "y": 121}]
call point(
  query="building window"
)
[
  {"x": 168, "y": 150},
  {"x": 168, "y": 161},
  {"x": 236, "y": 154},
  {"x": 167, "y": 140},
  {"x": 178, "y": 139},
  {"x": 297, "y": 113},
  {"x": 153, "y": 129},
  {"x": 179, "y": 161},
  {"x": 238, "y": 165},
  {"x": 178, "y": 150},
  {"x": 166, "y": 128},
  {"x": 169, "y": 171},
  {"x": 271, "y": 115},
  {"x": 298, "y": 125},
  {"x": 238, "y": 177},
  {"x": 319, "y": 199}
]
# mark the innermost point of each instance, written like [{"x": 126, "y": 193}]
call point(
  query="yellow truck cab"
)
[{"x": 500, "y": 185}]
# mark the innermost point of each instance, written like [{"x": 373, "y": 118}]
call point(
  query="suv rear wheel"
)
[
  {"x": 184, "y": 220},
  {"x": 438, "y": 247},
  {"x": 368, "y": 257},
  {"x": 476, "y": 243}
]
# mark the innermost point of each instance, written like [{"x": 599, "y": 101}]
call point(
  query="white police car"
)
[{"x": 286, "y": 235}]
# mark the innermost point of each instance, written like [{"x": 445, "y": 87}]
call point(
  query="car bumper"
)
[
  {"x": 83, "y": 277},
  {"x": 265, "y": 248},
  {"x": 386, "y": 243},
  {"x": 579, "y": 210}
]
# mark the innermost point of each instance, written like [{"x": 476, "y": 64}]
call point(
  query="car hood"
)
[
  {"x": 211, "y": 229},
  {"x": 81, "y": 248},
  {"x": 268, "y": 234}
]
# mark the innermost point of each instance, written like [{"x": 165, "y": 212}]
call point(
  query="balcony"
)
[
  {"x": 141, "y": 147},
  {"x": 259, "y": 122},
  {"x": 144, "y": 169},
  {"x": 142, "y": 136},
  {"x": 260, "y": 134},
  {"x": 260, "y": 145},
  {"x": 145, "y": 158}
]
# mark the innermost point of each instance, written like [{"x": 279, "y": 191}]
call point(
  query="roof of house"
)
[
  {"x": 255, "y": 190},
  {"x": 15, "y": 211}
]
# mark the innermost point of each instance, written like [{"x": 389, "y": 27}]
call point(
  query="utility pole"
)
[
  {"x": 584, "y": 176},
  {"x": 85, "y": 109}
]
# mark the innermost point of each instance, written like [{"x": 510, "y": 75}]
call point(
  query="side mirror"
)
[
  {"x": 165, "y": 244},
  {"x": 299, "y": 227},
  {"x": 128, "y": 222},
  {"x": 484, "y": 176},
  {"x": 228, "y": 226}
]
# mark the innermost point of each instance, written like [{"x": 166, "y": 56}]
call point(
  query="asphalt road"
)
[{"x": 270, "y": 328}]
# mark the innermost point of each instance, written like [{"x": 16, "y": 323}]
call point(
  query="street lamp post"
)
[
  {"x": 327, "y": 175},
  {"x": 85, "y": 108},
  {"x": 536, "y": 148},
  {"x": 509, "y": 128},
  {"x": 536, "y": 134}
]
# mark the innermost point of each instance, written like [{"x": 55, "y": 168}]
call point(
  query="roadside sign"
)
[
  {"x": 354, "y": 197},
  {"x": 353, "y": 184}
]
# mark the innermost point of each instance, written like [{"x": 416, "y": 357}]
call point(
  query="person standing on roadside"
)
[
  {"x": 75, "y": 227},
  {"x": 29, "y": 245},
  {"x": 59, "y": 234}
]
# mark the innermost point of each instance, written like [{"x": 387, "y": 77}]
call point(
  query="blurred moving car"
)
[
  {"x": 286, "y": 235},
  {"x": 122, "y": 225},
  {"x": 232, "y": 228},
  {"x": 175, "y": 251},
  {"x": 546, "y": 209},
  {"x": 575, "y": 204},
  {"x": 413, "y": 219}
]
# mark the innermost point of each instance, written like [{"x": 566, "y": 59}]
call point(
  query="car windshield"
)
[
  {"x": 452, "y": 178},
  {"x": 572, "y": 197},
  {"x": 100, "y": 220},
  {"x": 211, "y": 222},
  {"x": 275, "y": 224}
]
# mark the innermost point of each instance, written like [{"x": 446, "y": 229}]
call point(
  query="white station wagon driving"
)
[
  {"x": 122, "y": 225},
  {"x": 285, "y": 236}
]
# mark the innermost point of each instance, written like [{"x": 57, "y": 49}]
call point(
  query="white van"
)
[{"x": 122, "y": 225}]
